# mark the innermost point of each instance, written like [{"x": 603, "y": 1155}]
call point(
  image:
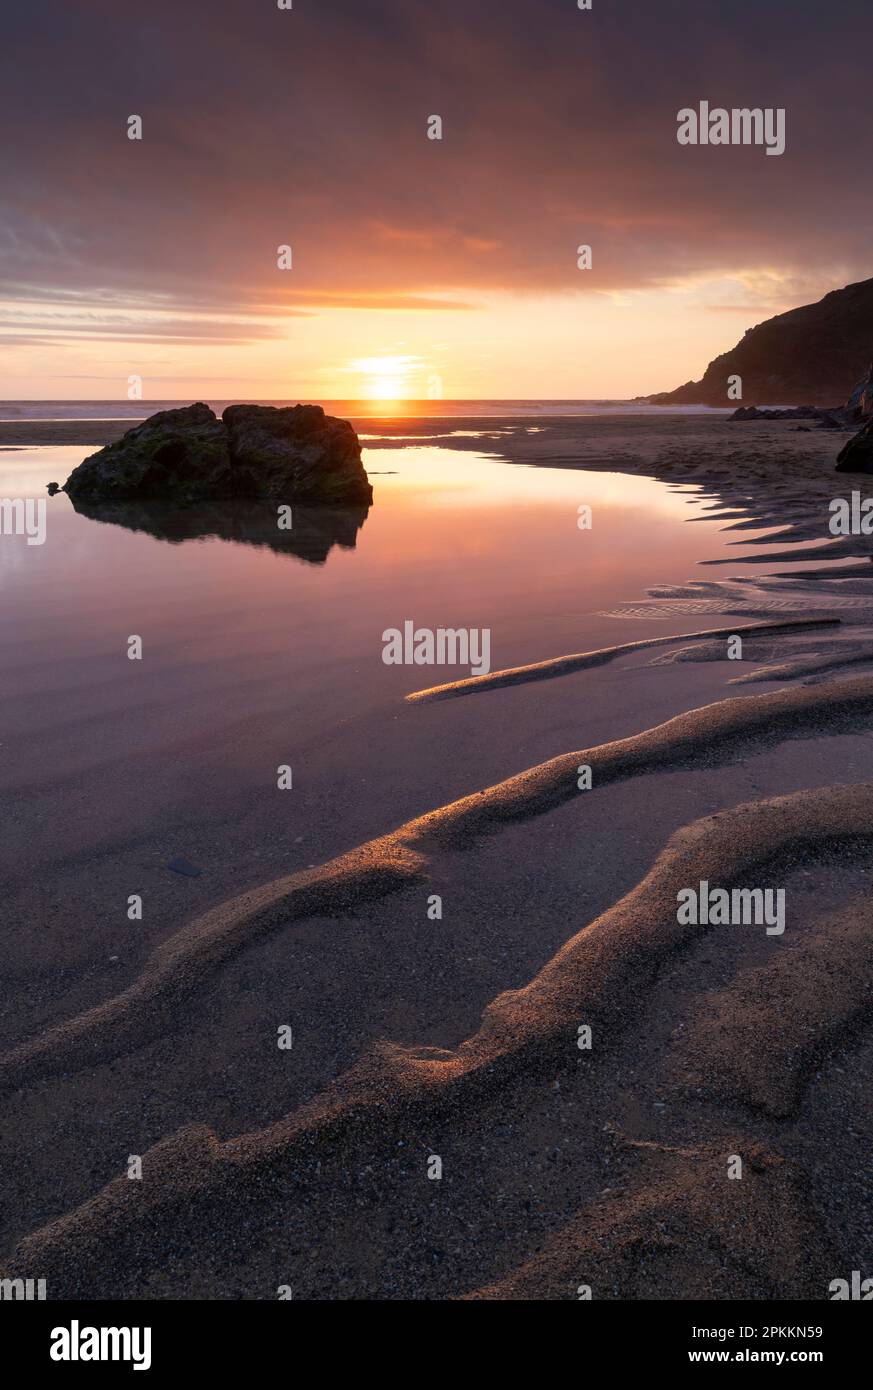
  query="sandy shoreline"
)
[
  {"x": 20, "y": 434},
  {"x": 457, "y": 1037},
  {"x": 639, "y": 1126}
]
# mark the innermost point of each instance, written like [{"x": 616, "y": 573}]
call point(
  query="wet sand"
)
[{"x": 457, "y": 1037}]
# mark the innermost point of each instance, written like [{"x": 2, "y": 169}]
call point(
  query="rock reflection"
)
[{"x": 312, "y": 534}]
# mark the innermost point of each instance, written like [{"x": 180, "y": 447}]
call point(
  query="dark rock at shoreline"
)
[
  {"x": 188, "y": 455},
  {"x": 833, "y": 419},
  {"x": 860, "y": 403},
  {"x": 296, "y": 452},
  {"x": 811, "y": 355},
  {"x": 857, "y": 455},
  {"x": 795, "y": 412},
  {"x": 181, "y": 454},
  {"x": 856, "y": 411}
]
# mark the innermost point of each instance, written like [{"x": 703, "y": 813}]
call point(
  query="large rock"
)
[
  {"x": 860, "y": 404},
  {"x": 810, "y": 356},
  {"x": 188, "y": 455},
  {"x": 296, "y": 451},
  {"x": 857, "y": 455},
  {"x": 181, "y": 454}
]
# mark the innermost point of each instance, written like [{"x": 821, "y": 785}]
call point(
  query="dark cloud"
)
[{"x": 264, "y": 127}]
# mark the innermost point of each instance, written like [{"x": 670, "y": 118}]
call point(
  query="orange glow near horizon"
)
[
  {"x": 508, "y": 347},
  {"x": 386, "y": 378}
]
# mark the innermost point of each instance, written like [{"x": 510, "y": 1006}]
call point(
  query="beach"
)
[{"x": 453, "y": 1036}]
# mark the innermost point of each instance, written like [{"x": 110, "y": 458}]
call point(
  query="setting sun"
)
[
  {"x": 386, "y": 378},
  {"x": 385, "y": 389}
]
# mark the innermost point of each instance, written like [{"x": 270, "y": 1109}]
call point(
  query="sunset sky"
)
[{"x": 418, "y": 265}]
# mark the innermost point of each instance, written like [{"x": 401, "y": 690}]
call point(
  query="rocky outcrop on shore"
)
[
  {"x": 294, "y": 453},
  {"x": 857, "y": 411},
  {"x": 857, "y": 455},
  {"x": 859, "y": 406},
  {"x": 796, "y": 412},
  {"x": 808, "y": 356}
]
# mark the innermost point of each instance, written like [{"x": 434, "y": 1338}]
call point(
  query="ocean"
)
[{"x": 356, "y": 409}]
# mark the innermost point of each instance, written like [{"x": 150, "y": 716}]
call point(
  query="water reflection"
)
[{"x": 313, "y": 533}]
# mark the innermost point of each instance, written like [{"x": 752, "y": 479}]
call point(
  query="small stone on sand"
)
[{"x": 184, "y": 866}]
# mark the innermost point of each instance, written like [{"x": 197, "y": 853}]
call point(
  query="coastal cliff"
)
[{"x": 809, "y": 356}]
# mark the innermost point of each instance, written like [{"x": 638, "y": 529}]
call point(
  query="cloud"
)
[{"x": 264, "y": 127}]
